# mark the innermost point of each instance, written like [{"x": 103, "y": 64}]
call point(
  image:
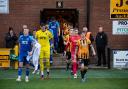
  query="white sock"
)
[
  {"x": 42, "y": 73},
  {"x": 26, "y": 77},
  {"x": 19, "y": 77},
  {"x": 36, "y": 67},
  {"x": 47, "y": 70}
]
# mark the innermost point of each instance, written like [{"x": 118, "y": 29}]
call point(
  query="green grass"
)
[
  {"x": 91, "y": 83},
  {"x": 60, "y": 79}
]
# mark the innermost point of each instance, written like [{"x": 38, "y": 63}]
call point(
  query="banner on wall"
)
[
  {"x": 4, "y": 6},
  {"x": 120, "y": 27},
  {"x": 120, "y": 58},
  {"x": 119, "y": 9}
]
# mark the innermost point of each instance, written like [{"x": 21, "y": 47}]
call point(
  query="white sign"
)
[
  {"x": 4, "y": 6},
  {"x": 120, "y": 27},
  {"x": 120, "y": 58}
]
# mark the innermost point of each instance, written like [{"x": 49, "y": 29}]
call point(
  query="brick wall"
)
[
  {"x": 28, "y": 12},
  {"x": 100, "y": 16}
]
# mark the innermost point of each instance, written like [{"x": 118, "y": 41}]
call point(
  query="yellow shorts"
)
[{"x": 45, "y": 53}]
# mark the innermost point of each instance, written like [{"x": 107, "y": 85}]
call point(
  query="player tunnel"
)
[{"x": 62, "y": 15}]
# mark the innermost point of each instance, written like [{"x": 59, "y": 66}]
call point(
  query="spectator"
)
[
  {"x": 10, "y": 38},
  {"x": 89, "y": 36},
  {"x": 101, "y": 43}
]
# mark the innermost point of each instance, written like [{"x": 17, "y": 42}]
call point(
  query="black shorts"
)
[
  {"x": 68, "y": 55},
  {"x": 85, "y": 62}
]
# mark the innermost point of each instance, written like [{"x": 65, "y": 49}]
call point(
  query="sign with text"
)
[
  {"x": 120, "y": 58},
  {"x": 4, "y": 6},
  {"x": 119, "y": 9},
  {"x": 120, "y": 27}
]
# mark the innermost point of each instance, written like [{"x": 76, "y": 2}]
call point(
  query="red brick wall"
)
[
  {"x": 100, "y": 16},
  {"x": 28, "y": 12}
]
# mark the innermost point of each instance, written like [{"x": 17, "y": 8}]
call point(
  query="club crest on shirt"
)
[{"x": 24, "y": 42}]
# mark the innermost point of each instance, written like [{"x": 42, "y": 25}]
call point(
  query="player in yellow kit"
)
[{"x": 44, "y": 36}]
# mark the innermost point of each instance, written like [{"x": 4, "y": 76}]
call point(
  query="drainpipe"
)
[{"x": 88, "y": 13}]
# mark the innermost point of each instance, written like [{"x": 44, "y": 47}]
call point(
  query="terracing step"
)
[{"x": 59, "y": 62}]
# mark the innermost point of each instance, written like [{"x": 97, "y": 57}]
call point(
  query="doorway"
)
[{"x": 69, "y": 15}]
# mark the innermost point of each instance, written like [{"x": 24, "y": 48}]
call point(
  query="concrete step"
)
[{"x": 59, "y": 62}]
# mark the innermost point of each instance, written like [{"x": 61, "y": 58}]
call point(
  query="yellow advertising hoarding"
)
[{"x": 119, "y": 9}]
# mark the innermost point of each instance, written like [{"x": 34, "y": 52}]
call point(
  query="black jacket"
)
[
  {"x": 101, "y": 39},
  {"x": 10, "y": 41}
]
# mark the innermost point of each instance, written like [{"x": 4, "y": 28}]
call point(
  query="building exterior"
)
[{"x": 92, "y": 13}]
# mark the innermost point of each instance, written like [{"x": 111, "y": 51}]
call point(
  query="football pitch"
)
[{"x": 61, "y": 79}]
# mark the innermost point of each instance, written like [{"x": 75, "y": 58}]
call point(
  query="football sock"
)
[
  {"x": 19, "y": 71},
  {"x": 47, "y": 71},
  {"x": 68, "y": 65},
  {"x": 42, "y": 73},
  {"x": 27, "y": 71},
  {"x": 82, "y": 74}
]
